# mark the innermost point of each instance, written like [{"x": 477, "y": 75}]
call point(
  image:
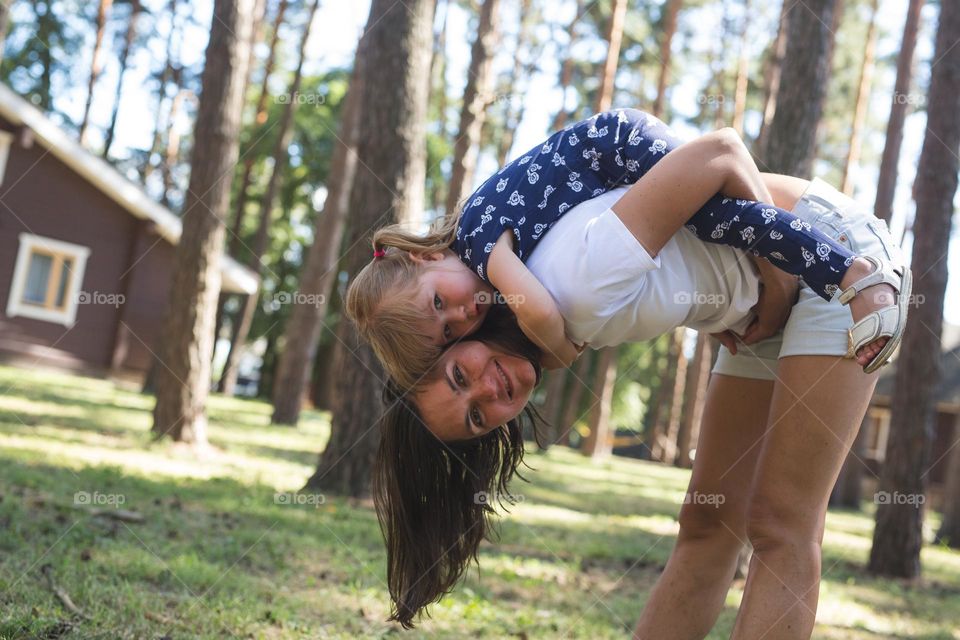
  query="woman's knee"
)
[
  {"x": 708, "y": 516},
  {"x": 773, "y": 522}
]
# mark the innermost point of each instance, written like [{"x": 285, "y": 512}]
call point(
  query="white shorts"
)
[{"x": 815, "y": 326}]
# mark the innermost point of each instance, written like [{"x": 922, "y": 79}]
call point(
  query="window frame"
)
[{"x": 29, "y": 244}]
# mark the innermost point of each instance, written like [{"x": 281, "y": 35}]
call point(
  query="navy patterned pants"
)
[{"x": 615, "y": 148}]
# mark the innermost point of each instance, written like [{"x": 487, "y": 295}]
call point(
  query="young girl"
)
[{"x": 420, "y": 292}]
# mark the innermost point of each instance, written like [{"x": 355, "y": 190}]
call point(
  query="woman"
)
[{"x": 780, "y": 416}]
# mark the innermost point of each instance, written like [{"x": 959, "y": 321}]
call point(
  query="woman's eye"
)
[
  {"x": 436, "y": 302},
  {"x": 475, "y": 417},
  {"x": 446, "y": 332},
  {"x": 458, "y": 377}
]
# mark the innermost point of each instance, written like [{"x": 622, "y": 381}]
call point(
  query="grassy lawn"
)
[{"x": 218, "y": 556}]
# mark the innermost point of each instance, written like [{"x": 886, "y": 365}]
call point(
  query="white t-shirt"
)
[{"x": 611, "y": 291}]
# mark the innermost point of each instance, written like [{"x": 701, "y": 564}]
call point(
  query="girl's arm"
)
[
  {"x": 675, "y": 188},
  {"x": 536, "y": 311}
]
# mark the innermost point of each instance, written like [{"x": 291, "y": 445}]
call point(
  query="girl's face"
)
[
  {"x": 476, "y": 389},
  {"x": 454, "y": 300}
]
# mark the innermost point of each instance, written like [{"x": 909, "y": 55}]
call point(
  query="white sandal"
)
[{"x": 888, "y": 321}]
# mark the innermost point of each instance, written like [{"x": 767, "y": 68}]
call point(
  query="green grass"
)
[{"x": 218, "y": 557}]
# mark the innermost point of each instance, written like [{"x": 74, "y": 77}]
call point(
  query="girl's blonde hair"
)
[{"x": 382, "y": 304}]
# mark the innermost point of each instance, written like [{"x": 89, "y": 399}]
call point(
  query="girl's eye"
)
[
  {"x": 446, "y": 332},
  {"x": 436, "y": 302},
  {"x": 475, "y": 417},
  {"x": 458, "y": 377}
]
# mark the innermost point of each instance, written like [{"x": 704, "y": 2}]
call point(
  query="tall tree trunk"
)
[
  {"x": 131, "y": 33},
  {"x": 566, "y": 68},
  {"x": 606, "y": 369},
  {"x": 668, "y": 446},
  {"x": 806, "y": 71},
  {"x": 103, "y": 10},
  {"x": 513, "y": 113},
  {"x": 609, "y": 73},
  {"x": 898, "y": 535},
  {"x": 771, "y": 80},
  {"x": 597, "y": 444},
  {"x": 186, "y": 347},
  {"x": 172, "y": 151},
  {"x": 234, "y": 241},
  {"x": 669, "y": 29},
  {"x": 159, "y": 125},
  {"x": 664, "y": 402},
  {"x": 887, "y": 180},
  {"x": 391, "y": 146},
  {"x": 743, "y": 72},
  {"x": 476, "y": 97},
  {"x": 552, "y": 408},
  {"x": 863, "y": 99},
  {"x": 949, "y": 532},
  {"x": 571, "y": 407},
  {"x": 244, "y": 319},
  {"x": 696, "y": 392},
  {"x": 302, "y": 333},
  {"x": 4, "y": 24}
]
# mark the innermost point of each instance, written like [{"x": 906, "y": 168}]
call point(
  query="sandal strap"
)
[
  {"x": 878, "y": 324},
  {"x": 883, "y": 273}
]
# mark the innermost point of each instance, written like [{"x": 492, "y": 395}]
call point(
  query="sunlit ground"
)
[{"x": 217, "y": 555}]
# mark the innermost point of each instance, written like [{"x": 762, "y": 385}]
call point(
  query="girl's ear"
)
[{"x": 426, "y": 257}]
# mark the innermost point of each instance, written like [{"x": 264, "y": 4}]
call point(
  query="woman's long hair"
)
[{"x": 434, "y": 499}]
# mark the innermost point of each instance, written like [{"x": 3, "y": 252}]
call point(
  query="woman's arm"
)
[{"x": 536, "y": 310}]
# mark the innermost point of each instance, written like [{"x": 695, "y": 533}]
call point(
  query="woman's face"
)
[{"x": 477, "y": 388}]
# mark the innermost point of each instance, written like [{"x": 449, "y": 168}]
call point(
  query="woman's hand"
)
[{"x": 778, "y": 294}]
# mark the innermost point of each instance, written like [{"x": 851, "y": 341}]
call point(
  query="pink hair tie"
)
[{"x": 379, "y": 253}]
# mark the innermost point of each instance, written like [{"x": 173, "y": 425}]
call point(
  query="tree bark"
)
[
  {"x": 234, "y": 241},
  {"x": 103, "y": 9},
  {"x": 280, "y": 155},
  {"x": 696, "y": 392},
  {"x": 863, "y": 99},
  {"x": 806, "y": 72},
  {"x": 4, "y": 24},
  {"x": 566, "y": 69},
  {"x": 476, "y": 97},
  {"x": 159, "y": 126},
  {"x": 302, "y": 333},
  {"x": 185, "y": 350},
  {"x": 887, "y": 180},
  {"x": 609, "y": 73},
  {"x": 669, "y": 29},
  {"x": 669, "y": 441},
  {"x": 391, "y": 148},
  {"x": 771, "y": 80},
  {"x": 898, "y": 535},
  {"x": 598, "y": 444},
  {"x": 571, "y": 409},
  {"x": 949, "y": 532}
]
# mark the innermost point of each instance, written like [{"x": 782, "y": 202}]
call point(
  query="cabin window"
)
[{"x": 46, "y": 279}]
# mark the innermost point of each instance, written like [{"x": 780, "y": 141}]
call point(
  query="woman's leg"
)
[
  {"x": 818, "y": 404},
  {"x": 689, "y": 594}
]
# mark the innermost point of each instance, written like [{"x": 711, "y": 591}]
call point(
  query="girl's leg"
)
[
  {"x": 818, "y": 404},
  {"x": 689, "y": 594}
]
